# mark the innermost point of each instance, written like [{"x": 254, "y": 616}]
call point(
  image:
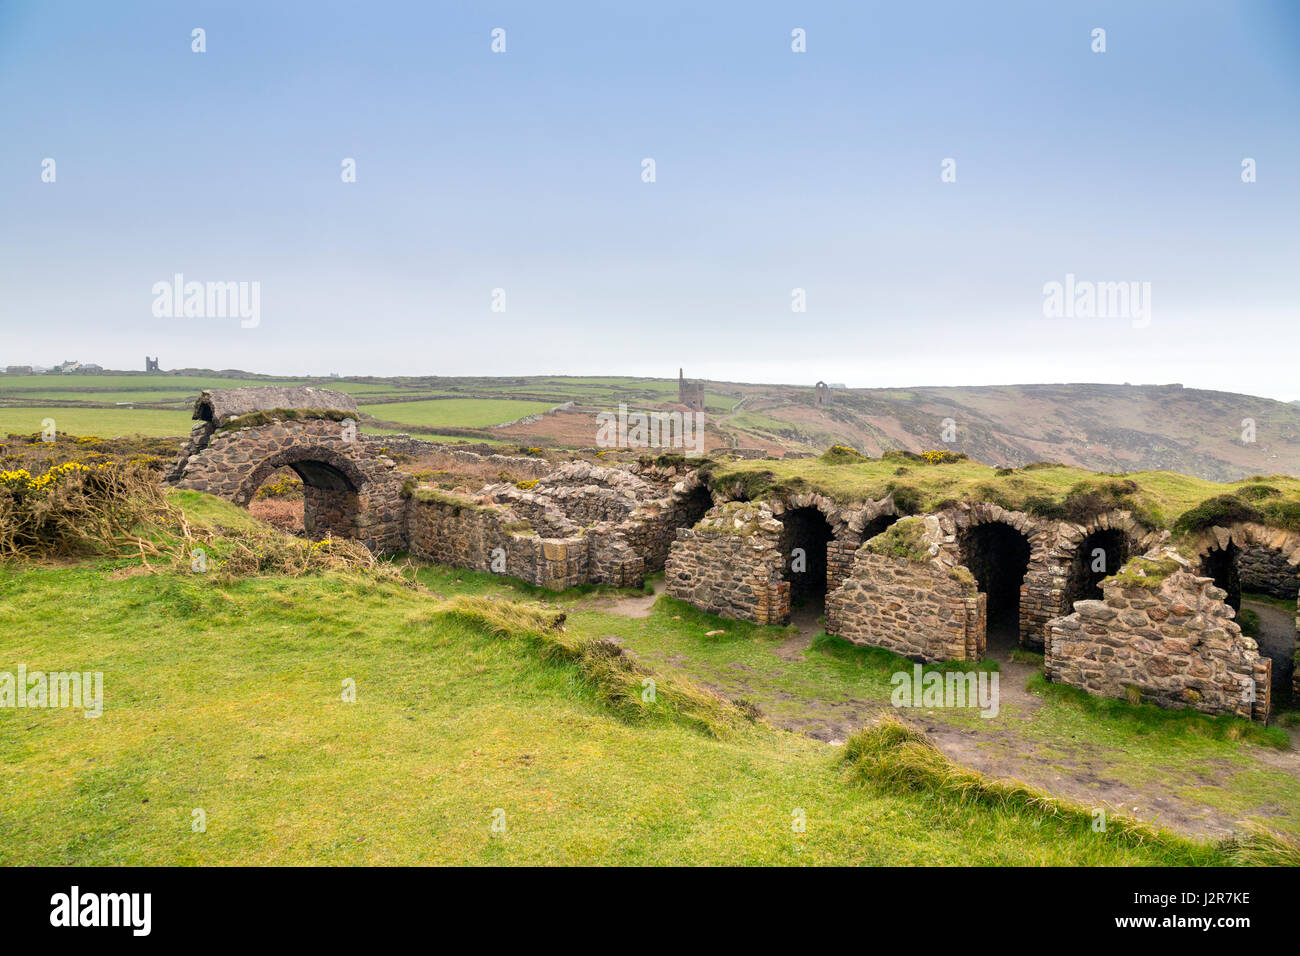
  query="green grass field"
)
[
  {"x": 228, "y": 697},
  {"x": 456, "y": 412},
  {"x": 104, "y": 422}
]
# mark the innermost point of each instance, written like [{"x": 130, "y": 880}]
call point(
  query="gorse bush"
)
[
  {"x": 936, "y": 457},
  {"x": 288, "y": 487},
  {"x": 77, "y": 509}
]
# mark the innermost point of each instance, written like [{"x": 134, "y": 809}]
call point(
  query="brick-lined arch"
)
[
  {"x": 1039, "y": 535},
  {"x": 317, "y": 465},
  {"x": 332, "y": 487},
  {"x": 850, "y": 525}
]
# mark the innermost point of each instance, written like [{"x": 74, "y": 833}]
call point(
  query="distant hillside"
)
[{"x": 1100, "y": 427}]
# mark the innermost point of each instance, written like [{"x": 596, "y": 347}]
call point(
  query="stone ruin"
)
[
  {"x": 975, "y": 571},
  {"x": 241, "y": 436},
  {"x": 690, "y": 394},
  {"x": 575, "y": 524},
  {"x": 1115, "y": 611}
]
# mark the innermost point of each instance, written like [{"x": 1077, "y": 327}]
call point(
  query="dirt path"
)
[
  {"x": 807, "y": 621},
  {"x": 1084, "y": 774},
  {"x": 631, "y": 606}
]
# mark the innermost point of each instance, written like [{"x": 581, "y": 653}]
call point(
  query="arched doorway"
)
[
  {"x": 1262, "y": 588},
  {"x": 1099, "y": 555},
  {"x": 998, "y": 556},
  {"x": 331, "y": 487},
  {"x": 804, "y": 539}
]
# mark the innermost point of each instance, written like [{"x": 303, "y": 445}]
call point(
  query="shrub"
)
[
  {"x": 943, "y": 457},
  {"x": 1220, "y": 510},
  {"x": 1281, "y": 514},
  {"x": 842, "y": 455},
  {"x": 288, "y": 487},
  {"x": 75, "y": 509},
  {"x": 1090, "y": 498},
  {"x": 1256, "y": 492},
  {"x": 907, "y": 498}
]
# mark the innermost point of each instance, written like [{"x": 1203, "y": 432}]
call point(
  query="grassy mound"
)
[
  {"x": 627, "y": 688},
  {"x": 1159, "y": 499}
]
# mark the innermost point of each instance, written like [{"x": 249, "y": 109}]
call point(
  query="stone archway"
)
[
  {"x": 1259, "y": 568},
  {"x": 1068, "y": 568},
  {"x": 1031, "y": 611},
  {"x": 332, "y": 486},
  {"x": 805, "y": 538},
  {"x": 1098, "y": 556},
  {"x": 351, "y": 488},
  {"x": 997, "y": 554},
  {"x": 850, "y": 526}
]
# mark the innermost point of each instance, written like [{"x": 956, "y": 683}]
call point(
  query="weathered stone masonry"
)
[
  {"x": 1175, "y": 645},
  {"x": 920, "y": 610},
  {"x": 730, "y": 564},
  {"x": 349, "y": 488}
]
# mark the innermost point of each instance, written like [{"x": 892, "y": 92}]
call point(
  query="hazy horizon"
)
[{"x": 775, "y": 170}]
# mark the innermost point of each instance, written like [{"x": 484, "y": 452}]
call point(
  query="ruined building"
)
[{"x": 1154, "y": 623}]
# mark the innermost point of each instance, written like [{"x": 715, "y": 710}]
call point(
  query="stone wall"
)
[
  {"x": 1266, "y": 571},
  {"x": 465, "y": 534},
  {"x": 729, "y": 564},
  {"x": 922, "y": 610},
  {"x": 1173, "y": 641},
  {"x": 581, "y": 498}
]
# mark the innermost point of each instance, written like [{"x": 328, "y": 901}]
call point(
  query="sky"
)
[{"x": 774, "y": 170}]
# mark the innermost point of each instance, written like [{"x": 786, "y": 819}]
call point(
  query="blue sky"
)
[{"x": 775, "y": 171}]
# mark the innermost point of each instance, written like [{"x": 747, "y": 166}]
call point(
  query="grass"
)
[
  {"x": 1143, "y": 718},
  {"x": 456, "y": 412},
  {"x": 894, "y": 755},
  {"x": 229, "y": 696},
  {"x": 1159, "y": 497},
  {"x": 229, "y": 699},
  {"x": 1184, "y": 754},
  {"x": 108, "y": 422}
]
